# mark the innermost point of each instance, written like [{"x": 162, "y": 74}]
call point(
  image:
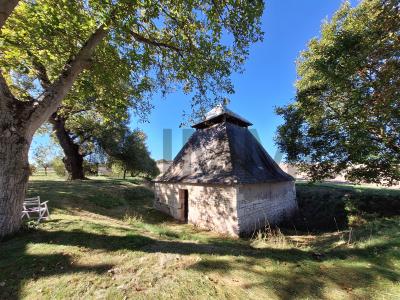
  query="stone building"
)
[{"x": 224, "y": 180}]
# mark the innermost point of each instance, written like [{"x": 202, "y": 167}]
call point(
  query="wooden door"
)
[{"x": 184, "y": 201}]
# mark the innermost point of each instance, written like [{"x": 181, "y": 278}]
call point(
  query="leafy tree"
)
[
  {"x": 165, "y": 45},
  {"x": 58, "y": 166},
  {"x": 127, "y": 149},
  {"x": 76, "y": 131},
  {"x": 42, "y": 156},
  {"x": 94, "y": 95},
  {"x": 347, "y": 110}
]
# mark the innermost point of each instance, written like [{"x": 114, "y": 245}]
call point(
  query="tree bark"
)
[
  {"x": 14, "y": 173},
  {"x": 50, "y": 100},
  {"x": 6, "y": 8},
  {"x": 73, "y": 159}
]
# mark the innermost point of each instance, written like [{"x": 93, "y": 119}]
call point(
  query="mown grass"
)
[{"x": 105, "y": 241}]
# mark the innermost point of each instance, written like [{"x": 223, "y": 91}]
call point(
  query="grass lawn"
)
[{"x": 104, "y": 240}]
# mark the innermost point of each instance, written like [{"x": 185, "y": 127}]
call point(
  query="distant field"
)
[{"x": 105, "y": 241}]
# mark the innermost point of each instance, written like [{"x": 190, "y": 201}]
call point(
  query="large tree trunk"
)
[
  {"x": 73, "y": 159},
  {"x": 14, "y": 174},
  {"x": 20, "y": 119}
]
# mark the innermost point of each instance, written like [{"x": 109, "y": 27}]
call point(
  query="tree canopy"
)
[
  {"x": 346, "y": 116},
  {"x": 148, "y": 46},
  {"x": 43, "y": 157}
]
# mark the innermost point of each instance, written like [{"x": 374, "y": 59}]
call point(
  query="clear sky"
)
[{"x": 268, "y": 79}]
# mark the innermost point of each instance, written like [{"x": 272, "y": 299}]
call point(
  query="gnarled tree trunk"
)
[
  {"x": 14, "y": 173},
  {"x": 73, "y": 159}
]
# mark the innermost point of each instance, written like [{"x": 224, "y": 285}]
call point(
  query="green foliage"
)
[
  {"x": 90, "y": 168},
  {"x": 42, "y": 156},
  {"x": 117, "y": 170},
  {"x": 151, "y": 47},
  {"x": 58, "y": 166},
  {"x": 127, "y": 150},
  {"x": 347, "y": 110}
]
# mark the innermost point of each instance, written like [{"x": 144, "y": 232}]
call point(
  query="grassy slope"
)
[{"x": 104, "y": 240}]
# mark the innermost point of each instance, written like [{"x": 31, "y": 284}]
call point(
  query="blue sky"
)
[{"x": 268, "y": 80}]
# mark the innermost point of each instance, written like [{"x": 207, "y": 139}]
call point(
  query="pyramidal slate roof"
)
[{"x": 223, "y": 151}]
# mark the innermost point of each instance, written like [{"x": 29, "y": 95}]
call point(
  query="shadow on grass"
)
[
  {"x": 304, "y": 281},
  {"x": 17, "y": 265},
  {"x": 329, "y": 207},
  {"x": 116, "y": 198}
]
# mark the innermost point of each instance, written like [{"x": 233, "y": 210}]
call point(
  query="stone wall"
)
[
  {"x": 232, "y": 210},
  {"x": 260, "y": 204},
  {"x": 211, "y": 207}
]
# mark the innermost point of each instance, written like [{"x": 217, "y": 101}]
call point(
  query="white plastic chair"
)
[{"x": 34, "y": 206}]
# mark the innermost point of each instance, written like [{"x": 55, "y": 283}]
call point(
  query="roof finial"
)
[{"x": 220, "y": 114}]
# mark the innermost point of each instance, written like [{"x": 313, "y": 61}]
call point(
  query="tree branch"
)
[
  {"x": 6, "y": 8},
  {"x": 49, "y": 101},
  {"x": 153, "y": 42},
  {"x": 180, "y": 25},
  {"x": 40, "y": 70},
  {"x": 36, "y": 63}
]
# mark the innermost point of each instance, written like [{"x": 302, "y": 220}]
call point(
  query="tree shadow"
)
[
  {"x": 17, "y": 265},
  {"x": 306, "y": 277},
  {"x": 305, "y": 280},
  {"x": 302, "y": 281},
  {"x": 112, "y": 198}
]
